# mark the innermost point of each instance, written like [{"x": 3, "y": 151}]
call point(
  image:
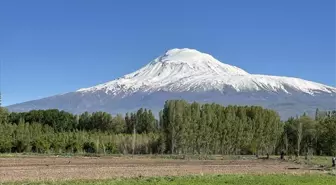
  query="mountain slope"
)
[
  {"x": 180, "y": 70},
  {"x": 195, "y": 76}
]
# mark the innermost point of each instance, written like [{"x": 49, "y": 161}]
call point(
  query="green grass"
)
[
  {"x": 321, "y": 160},
  {"x": 209, "y": 180},
  {"x": 314, "y": 160}
]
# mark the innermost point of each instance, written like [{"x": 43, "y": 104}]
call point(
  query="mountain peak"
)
[
  {"x": 196, "y": 61},
  {"x": 179, "y": 50},
  {"x": 183, "y": 55},
  {"x": 182, "y": 51}
]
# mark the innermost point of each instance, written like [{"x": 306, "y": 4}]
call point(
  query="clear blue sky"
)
[{"x": 52, "y": 47}]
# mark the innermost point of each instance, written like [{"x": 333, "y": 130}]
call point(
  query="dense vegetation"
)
[
  {"x": 304, "y": 135},
  {"x": 214, "y": 129},
  {"x": 211, "y": 179},
  {"x": 182, "y": 128}
]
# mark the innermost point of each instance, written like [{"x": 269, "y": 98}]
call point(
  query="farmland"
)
[
  {"x": 60, "y": 169},
  {"x": 209, "y": 179}
]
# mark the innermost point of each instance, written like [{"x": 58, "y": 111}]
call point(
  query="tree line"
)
[
  {"x": 214, "y": 129},
  {"x": 181, "y": 128},
  {"x": 308, "y": 136},
  {"x": 62, "y": 121}
]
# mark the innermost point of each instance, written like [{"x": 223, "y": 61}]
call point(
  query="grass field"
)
[
  {"x": 315, "y": 160},
  {"x": 208, "y": 180}
]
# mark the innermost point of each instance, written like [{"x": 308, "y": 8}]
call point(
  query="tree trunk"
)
[
  {"x": 133, "y": 142},
  {"x": 172, "y": 142}
]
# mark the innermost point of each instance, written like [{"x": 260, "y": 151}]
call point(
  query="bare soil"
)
[{"x": 37, "y": 168}]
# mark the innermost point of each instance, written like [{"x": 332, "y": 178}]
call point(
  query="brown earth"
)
[{"x": 62, "y": 168}]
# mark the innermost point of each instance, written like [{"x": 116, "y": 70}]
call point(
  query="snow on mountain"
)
[
  {"x": 193, "y": 76},
  {"x": 185, "y": 70}
]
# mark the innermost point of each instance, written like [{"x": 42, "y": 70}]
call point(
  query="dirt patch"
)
[{"x": 62, "y": 168}]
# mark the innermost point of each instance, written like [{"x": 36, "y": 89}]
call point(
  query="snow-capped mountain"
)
[
  {"x": 194, "y": 76},
  {"x": 181, "y": 70}
]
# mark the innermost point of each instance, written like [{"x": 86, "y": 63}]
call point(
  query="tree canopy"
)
[{"x": 181, "y": 128}]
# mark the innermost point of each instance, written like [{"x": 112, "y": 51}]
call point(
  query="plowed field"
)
[{"x": 63, "y": 168}]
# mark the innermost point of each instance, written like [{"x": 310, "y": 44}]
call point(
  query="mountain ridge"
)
[
  {"x": 194, "y": 76},
  {"x": 181, "y": 65}
]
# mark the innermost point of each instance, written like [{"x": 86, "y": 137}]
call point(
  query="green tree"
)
[{"x": 118, "y": 124}]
